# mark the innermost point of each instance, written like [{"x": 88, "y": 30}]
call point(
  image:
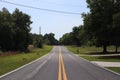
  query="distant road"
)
[{"x": 61, "y": 64}]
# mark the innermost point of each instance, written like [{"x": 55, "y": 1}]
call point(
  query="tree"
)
[
  {"x": 66, "y": 39},
  {"x": 116, "y": 6},
  {"x": 14, "y": 30},
  {"x": 6, "y": 38},
  {"x": 38, "y": 41},
  {"x": 116, "y": 25},
  {"x": 50, "y": 39},
  {"x": 88, "y": 35},
  {"x": 21, "y": 29},
  {"x": 101, "y": 21},
  {"x": 116, "y": 30},
  {"x": 75, "y": 36}
]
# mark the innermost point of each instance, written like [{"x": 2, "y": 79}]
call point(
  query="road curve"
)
[{"x": 60, "y": 64}]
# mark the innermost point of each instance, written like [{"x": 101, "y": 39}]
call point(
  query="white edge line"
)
[
  {"x": 23, "y": 66},
  {"x": 35, "y": 71},
  {"x": 99, "y": 66}
]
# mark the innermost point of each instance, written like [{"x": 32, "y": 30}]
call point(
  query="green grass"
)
[
  {"x": 84, "y": 50},
  {"x": 116, "y": 69},
  {"x": 8, "y": 63},
  {"x": 102, "y": 58},
  {"x": 89, "y": 51}
]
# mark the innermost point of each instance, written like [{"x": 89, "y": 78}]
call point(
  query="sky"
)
[{"x": 57, "y": 23}]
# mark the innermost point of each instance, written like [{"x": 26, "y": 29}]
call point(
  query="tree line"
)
[
  {"x": 15, "y": 32},
  {"x": 39, "y": 40},
  {"x": 101, "y": 26}
]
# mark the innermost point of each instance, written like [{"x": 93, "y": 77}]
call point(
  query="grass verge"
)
[
  {"x": 116, "y": 69},
  {"x": 88, "y": 52},
  {"x": 102, "y": 58},
  {"x": 8, "y": 63},
  {"x": 84, "y": 50}
]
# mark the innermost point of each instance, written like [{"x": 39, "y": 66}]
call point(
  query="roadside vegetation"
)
[
  {"x": 94, "y": 54},
  {"x": 116, "y": 69},
  {"x": 15, "y": 32},
  {"x": 13, "y": 61},
  {"x": 101, "y": 28},
  {"x": 17, "y": 45},
  {"x": 103, "y": 58}
]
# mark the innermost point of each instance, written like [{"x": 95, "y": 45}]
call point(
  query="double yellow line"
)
[{"x": 61, "y": 73}]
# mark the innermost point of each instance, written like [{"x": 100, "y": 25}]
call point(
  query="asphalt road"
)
[{"x": 60, "y": 64}]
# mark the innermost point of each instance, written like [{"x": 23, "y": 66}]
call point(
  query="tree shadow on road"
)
[{"x": 102, "y": 53}]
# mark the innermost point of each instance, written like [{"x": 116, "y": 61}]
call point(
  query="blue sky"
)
[{"x": 56, "y": 23}]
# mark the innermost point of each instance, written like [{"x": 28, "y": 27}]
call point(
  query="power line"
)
[
  {"x": 40, "y": 8},
  {"x": 58, "y": 4}
]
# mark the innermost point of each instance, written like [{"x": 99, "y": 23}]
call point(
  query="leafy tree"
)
[
  {"x": 116, "y": 6},
  {"x": 66, "y": 39},
  {"x": 75, "y": 37},
  {"x": 88, "y": 35},
  {"x": 14, "y": 30},
  {"x": 116, "y": 24},
  {"x": 50, "y": 39},
  {"x": 101, "y": 26},
  {"x": 6, "y": 38},
  {"x": 21, "y": 29},
  {"x": 116, "y": 30},
  {"x": 84, "y": 38},
  {"x": 101, "y": 21},
  {"x": 38, "y": 41}
]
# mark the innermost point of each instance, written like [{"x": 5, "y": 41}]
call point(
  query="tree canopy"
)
[
  {"x": 14, "y": 30},
  {"x": 49, "y": 39},
  {"x": 101, "y": 26}
]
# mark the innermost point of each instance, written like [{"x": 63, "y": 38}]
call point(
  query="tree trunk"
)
[
  {"x": 116, "y": 49},
  {"x": 104, "y": 49}
]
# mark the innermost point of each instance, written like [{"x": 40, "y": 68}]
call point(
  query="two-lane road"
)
[{"x": 60, "y": 64}]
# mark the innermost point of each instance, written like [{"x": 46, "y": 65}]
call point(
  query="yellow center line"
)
[
  {"x": 59, "y": 72},
  {"x": 61, "y": 67}
]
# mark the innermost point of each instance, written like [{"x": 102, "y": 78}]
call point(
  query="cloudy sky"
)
[{"x": 57, "y": 23}]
